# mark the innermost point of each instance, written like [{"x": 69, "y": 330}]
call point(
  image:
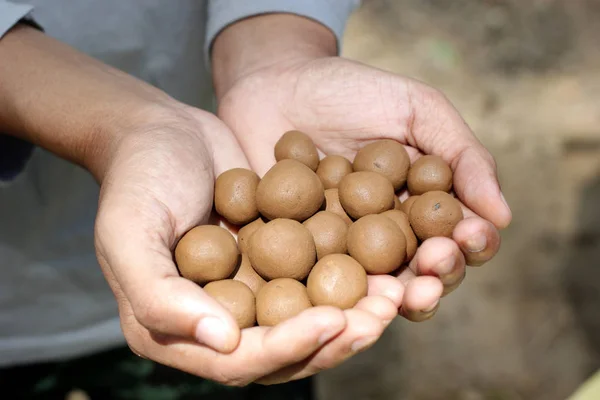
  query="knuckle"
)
[
  {"x": 229, "y": 379},
  {"x": 147, "y": 313}
]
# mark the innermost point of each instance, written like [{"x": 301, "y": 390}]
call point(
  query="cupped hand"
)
[
  {"x": 159, "y": 184},
  {"x": 343, "y": 105}
]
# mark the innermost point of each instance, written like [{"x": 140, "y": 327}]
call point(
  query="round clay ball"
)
[
  {"x": 337, "y": 280},
  {"x": 407, "y": 204},
  {"x": 246, "y": 274},
  {"x": 386, "y": 157},
  {"x": 435, "y": 214},
  {"x": 289, "y": 190},
  {"x": 237, "y": 298},
  {"x": 243, "y": 236},
  {"x": 365, "y": 192},
  {"x": 332, "y": 169},
  {"x": 429, "y": 173},
  {"x": 377, "y": 243},
  {"x": 282, "y": 248},
  {"x": 235, "y": 195},
  {"x": 296, "y": 145},
  {"x": 279, "y": 300},
  {"x": 332, "y": 204},
  {"x": 397, "y": 203},
  {"x": 401, "y": 219},
  {"x": 207, "y": 253},
  {"x": 329, "y": 232}
]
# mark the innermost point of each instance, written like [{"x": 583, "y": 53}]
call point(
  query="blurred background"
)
[{"x": 526, "y": 77}]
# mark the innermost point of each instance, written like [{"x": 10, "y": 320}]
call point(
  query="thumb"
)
[
  {"x": 437, "y": 128},
  {"x": 163, "y": 302}
]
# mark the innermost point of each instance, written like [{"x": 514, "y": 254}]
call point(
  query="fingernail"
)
[
  {"x": 212, "y": 332},
  {"x": 362, "y": 344},
  {"x": 446, "y": 266},
  {"x": 431, "y": 307},
  {"x": 327, "y": 336},
  {"x": 504, "y": 200},
  {"x": 476, "y": 243}
]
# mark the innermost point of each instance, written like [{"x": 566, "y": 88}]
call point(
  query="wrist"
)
[{"x": 249, "y": 46}]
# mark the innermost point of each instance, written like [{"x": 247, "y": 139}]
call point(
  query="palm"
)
[{"x": 337, "y": 102}]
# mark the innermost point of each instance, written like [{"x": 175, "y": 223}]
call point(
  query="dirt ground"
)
[{"x": 526, "y": 77}]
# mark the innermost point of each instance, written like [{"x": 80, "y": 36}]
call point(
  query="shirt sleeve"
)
[
  {"x": 332, "y": 13},
  {"x": 14, "y": 153}
]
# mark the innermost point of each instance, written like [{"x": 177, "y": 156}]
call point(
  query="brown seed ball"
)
[
  {"x": 401, "y": 219},
  {"x": 207, "y": 253},
  {"x": 332, "y": 169},
  {"x": 298, "y": 146},
  {"x": 248, "y": 276},
  {"x": 237, "y": 298},
  {"x": 407, "y": 204},
  {"x": 337, "y": 280},
  {"x": 329, "y": 232},
  {"x": 397, "y": 203},
  {"x": 435, "y": 214},
  {"x": 365, "y": 192},
  {"x": 377, "y": 243},
  {"x": 279, "y": 300},
  {"x": 332, "y": 204},
  {"x": 235, "y": 195},
  {"x": 245, "y": 232},
  {"x": 386, "y": 157},
  {"x": 429, "y": 173},
  {"x": 282, "y": 248},
  {"x": 289, "y": 190}
]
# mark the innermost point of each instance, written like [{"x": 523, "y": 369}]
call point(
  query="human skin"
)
[
  {"x": 266, "y": 87},
  {"x": 156, "y": 160}
]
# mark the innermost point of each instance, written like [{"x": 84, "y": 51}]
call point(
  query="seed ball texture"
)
[
  {"x": 289, "y": 190},
  {"x": 243, "y": 236},
  {"x": 386, "y": 157},
  {"x": 207, "y": 253},
  {"x": 365, "y": 192},
  {"x": 279, "y": 300},
  {"x": 329, "y": 232},
  {"x": 337, "y": 280},
  {"x": 435, "y": 214},
  {"x": 248, "y": 276},
  {"x": 235, "y": 195},
  {"x": 282, "y": 248},
  {"x": 297, "y": 146},
  {"x": 401, "y": 219},
  {"x": 237, "y": 298},
  {"x": 407, "y": 204},
  {"x": 332, "y": 169},
  {"x": 332, "y": 204},
  {"x": 429, "y": 173},
  {"x": 377, "y": 243}
]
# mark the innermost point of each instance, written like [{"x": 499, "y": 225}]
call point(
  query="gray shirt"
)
[{"x": 54, "y": 301}]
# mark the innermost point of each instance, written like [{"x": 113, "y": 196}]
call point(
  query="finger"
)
[
  {"x": 478, "y": 239},
  {"x": 421, "y": 297},
  {"x": 361, "y": 332},
  {"x": 440, "y": 257},
  {"x": 386, "y": 286},
  {"x": 439, "y": 129},
  {"x": 262, "y": 350},
  {"x": 379, "y": 306}
]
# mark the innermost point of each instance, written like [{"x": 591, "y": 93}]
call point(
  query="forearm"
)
[
  {"x": 65, "y": 101},
  {"x": 265, "y": 40}
]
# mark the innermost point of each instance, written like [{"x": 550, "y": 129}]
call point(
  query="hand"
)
[
  {"x": 343, "y": 105},
  {"x": 158, "y": 185}
]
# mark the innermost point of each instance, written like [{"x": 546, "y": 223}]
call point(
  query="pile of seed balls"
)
[{"x": 312, "y": 230}]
